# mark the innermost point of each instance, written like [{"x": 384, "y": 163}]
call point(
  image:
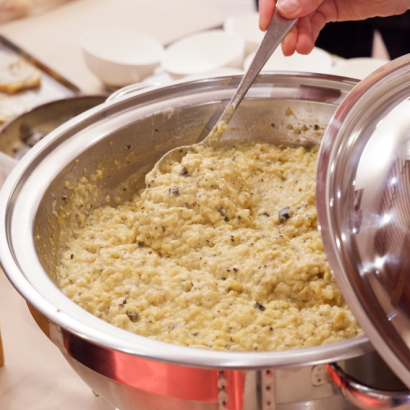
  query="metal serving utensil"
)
[{"x": 278, "y": 27}]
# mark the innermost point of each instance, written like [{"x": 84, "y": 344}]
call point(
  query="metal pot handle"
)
[
  {"x": 129, "y": 89},
  {"x": 365, "y": 397}
]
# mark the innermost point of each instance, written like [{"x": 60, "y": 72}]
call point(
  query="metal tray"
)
[
  {"x": 53, "y": 85},
  {"x": 18, "y": 135}
]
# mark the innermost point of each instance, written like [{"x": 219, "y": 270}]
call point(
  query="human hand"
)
[{"x": 314, "y": 14}]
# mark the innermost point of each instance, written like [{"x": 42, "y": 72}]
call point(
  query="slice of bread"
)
[{"x": 16, "y": 73}]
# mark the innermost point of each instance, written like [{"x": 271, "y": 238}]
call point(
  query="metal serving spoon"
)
[{"x": 278, "y": 28}]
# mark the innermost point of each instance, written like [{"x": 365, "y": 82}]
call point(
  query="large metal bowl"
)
[{"x": 128, "y": 370}]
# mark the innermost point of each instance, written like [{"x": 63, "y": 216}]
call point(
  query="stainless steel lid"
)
[{"x": 363, "y": 198}]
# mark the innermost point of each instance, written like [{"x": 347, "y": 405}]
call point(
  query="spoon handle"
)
[{"x": 278, "y": 28}]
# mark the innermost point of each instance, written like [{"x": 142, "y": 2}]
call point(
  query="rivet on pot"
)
[
  {"x": 319, "y": 375},
  {"x": 268, "y": 389}
]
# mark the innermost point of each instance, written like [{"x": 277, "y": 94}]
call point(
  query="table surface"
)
[{"x": 35, "y": 375}]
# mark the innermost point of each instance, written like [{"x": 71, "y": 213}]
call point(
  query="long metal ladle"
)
[{"x": 278, "y": 27}]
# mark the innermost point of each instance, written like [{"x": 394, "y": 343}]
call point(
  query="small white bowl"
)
[
  {"x": 203, "y": 52},
  {"x": 120, "y": 57},
  {"x": 318, "y": 61},
  {"x": 358, "y": 68},
  {"x": 246, "y": 26}
]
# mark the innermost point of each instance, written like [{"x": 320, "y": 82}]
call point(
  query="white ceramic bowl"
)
[
  {"x": 246, "y": 26},
  {"x": 203, "y": 52},
  {"x": 120, "y": 57},
  {"x": 318, "y": 61},
  {"x": 357, "y": 67}
]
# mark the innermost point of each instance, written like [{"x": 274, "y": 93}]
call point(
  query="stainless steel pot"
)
[{"x": 135, "y": 130}]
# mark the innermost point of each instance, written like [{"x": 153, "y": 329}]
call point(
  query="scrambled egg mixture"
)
[{"x": 221, "y": 251}]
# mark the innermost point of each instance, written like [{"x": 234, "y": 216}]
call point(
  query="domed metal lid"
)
[{"x": 363, "y": 199}]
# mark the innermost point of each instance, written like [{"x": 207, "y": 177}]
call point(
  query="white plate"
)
[
  {"x": 246, "y": 26},
  {"x": 203, "y": 52},
  {"x": 357, "y": 67},
  {"x": 318, "y": 61}
]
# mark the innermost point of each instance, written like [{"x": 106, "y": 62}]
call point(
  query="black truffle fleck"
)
[
  {"x": 259, "y": 306},
  {"x": 133, "y": 316},
  {"x": 284, "y": 214},
  {"x": 174, "y": 191}
]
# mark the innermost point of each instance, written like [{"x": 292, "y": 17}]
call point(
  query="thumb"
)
[{"x": 298, "y": 8}]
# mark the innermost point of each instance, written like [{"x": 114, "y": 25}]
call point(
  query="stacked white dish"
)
[
  {"x": 121, "y": 57},
  {"x": 118, "y": 56},
  {"x": 318, "y": 61},
  {"x": 205, "y": 52},
  {"x": 246, "y": 26},
  {"x": 357, "y": 67}
]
